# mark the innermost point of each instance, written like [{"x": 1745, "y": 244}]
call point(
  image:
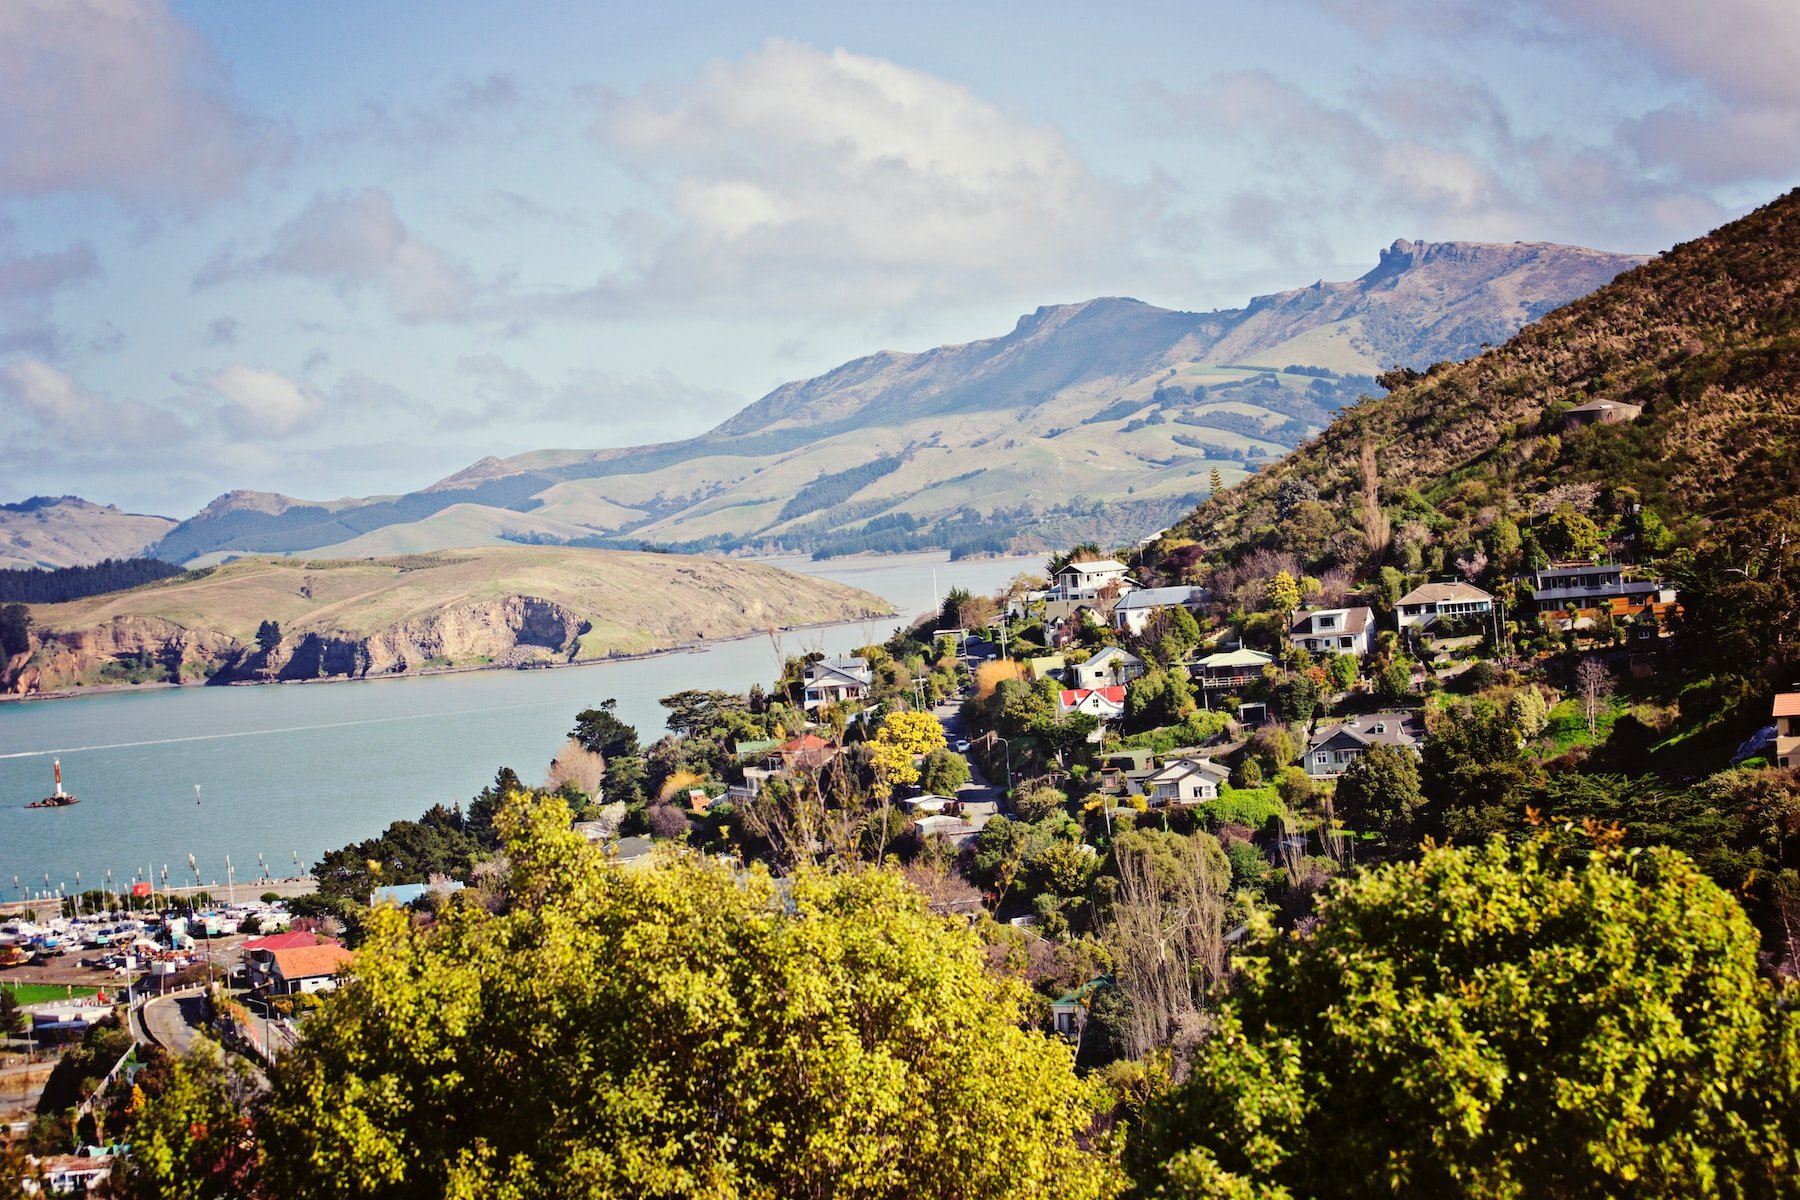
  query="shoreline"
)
[{"x": 692, "y": 646}]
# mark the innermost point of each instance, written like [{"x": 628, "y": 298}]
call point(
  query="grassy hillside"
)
[
  {"x": 67, "y": 531},
  {"x": 1706, "y": 339},
  {"x": 636, "y": 601}
]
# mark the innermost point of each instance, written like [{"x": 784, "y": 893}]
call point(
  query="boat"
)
[{"x": 60, "y": 799}]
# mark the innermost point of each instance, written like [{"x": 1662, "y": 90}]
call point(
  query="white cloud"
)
[
  {"x": 260, "y": 404},
  {"x": 59, "y": 407},
  {"x": 799, "y": 178},
  {"x": 355, "y": 240},
  {"x": 121, "y": 97}
]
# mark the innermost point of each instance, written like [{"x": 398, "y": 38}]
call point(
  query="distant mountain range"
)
[
  {"x": 67, "y": 531},
  {"x": 1106, "y": 419}
]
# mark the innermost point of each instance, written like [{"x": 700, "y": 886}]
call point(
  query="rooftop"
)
[
  {"x": 1787, "y": 704},
  {"x": 306, "y": 962},
  {"x": 1444, "y": 593}
]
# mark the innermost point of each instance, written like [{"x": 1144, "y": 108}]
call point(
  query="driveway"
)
[{"x": 979, "y": 798}]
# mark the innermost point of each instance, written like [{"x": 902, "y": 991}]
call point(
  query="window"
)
[{"x": 1321, "y": 758}]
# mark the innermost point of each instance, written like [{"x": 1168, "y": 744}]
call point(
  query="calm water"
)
[{"x": 296, "y": 770}]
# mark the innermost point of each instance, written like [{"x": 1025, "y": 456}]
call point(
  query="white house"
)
[
  {"x": 1084, "y": 580},
  {"x": 837, "y": 681},
  {"x": 1425, "y": 606},
  {"x": 1112, "y": 665},
  {"x": 1231, "y": 668},
  {"x": 1185, "y": 781},
  {"x": 1334, "y": 630},
  {"x": 1135, "y": 608},
  {"x": 1787, "y": 729},
  {"x": 1107, "y": 703},
  {"x": 306, "y": 969}
]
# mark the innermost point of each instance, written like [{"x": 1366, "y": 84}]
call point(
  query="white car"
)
[{"x": 962, "y": 747}]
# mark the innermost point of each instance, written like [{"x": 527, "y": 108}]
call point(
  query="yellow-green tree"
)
[
  {"x": 1487, "y": 1022},
  {"x": 897, "y": 746},
  {"x": 686, "y": 1030},
  {"x": 1283, "y": 594}
]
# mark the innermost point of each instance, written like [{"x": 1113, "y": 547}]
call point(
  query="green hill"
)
[{"x": 502, "y": 606}]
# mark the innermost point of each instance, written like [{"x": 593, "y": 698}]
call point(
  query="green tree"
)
[
  {"x": 268, "y": 636},
  {"x": 1472, "y": 769},
  {"x": 1379, "y": 792},
  {"x": 1036, "y": 803},
  {"x": 15, "y": 631},
  {"x": 943, "y": 772},
  {"x": 693, "y": 711},
  {"x": 1529, "y": 711},
  {"x": 685, "y": 1030},
  {"x": 1484, "y": 1022},
  {"x": 1565, "y": 533},
  {"x": 601, "y": 730},
  {"x": 1393, "y": 683}
]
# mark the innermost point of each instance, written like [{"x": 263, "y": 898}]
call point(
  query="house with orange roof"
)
[{"x": 1787, "y": 729}]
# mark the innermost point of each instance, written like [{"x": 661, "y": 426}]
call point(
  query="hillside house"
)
[
  {"x": 1106, "y": 703},
  {"x": 1591, "y": 587},
  {"x": 1334, "y": 630},
  {"x": 1135, "y": 608},
  {"x": 1185, "y": 781},
  {"x": 1231, "y": 668},
  {"x": 69, "y": 1174},
  {"x": 1123, "y": 772},
  {"x": 1425, "y": 607},
  {"x": 1048, "y": 666},
  {"x": 1787, "y": 729},
  {"x": 1111, "y": 666},
  {"x": 837, "y": 681},
  {"x": 1600, "y": 412},
  {"x": 1086, "y": 580},
  {"x": 259, "y": 954},
  {"x": 307, "y": 969},
  {"x": 1068, "y": 1013},
  {"x": 1333, "y": 748}
]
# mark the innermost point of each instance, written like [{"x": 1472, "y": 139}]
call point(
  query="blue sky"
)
[{"x": 341, "y": 248}]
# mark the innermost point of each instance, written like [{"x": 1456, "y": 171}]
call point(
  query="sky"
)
[{"x": 341, "y": 248}]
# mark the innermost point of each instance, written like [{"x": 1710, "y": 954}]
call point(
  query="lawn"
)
[
  {"x": 42, "y": 993},
  {"x": 1568, "y": 723}
]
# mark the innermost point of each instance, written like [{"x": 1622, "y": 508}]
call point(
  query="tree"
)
[
  {"x": 943, "y": 773},
  {"x": 690, "y": 1029},
  {"x": 1282, "y": 594},
  {"x": 1036, "y": 803},
  {"x": 15, "y": 631},
  {"x": 1565, "y": 533},
  {"x": 1529, "y": 710},
  {"x": 195, "y": 1140},
  {"x": 902, "y": 738},
  {"x": 1164, "y": 928},
  {"x": 576, "y": 765},
  {"x": 1379, "y": 792},
  {"x": 1472, "y": 767},
  {"x": 268, "y": 636},
  {"x": 601, "y": 730},
  {"x": 1483, "y": 1022},
  {"x": 1594, "y": 684},
  {"x": 693, "y": 711}
]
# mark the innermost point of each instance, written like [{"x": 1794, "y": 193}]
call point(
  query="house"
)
[
  {"x": 1123, "y": 771},
  {"x": 1185, "y": 781},
  {"x": 1334, "y": 630},
  {"x": 1600, "y": 412},
  {"x": 629, "y": 851},
  {"x": 1112, "y": 665},
  {"x": 808, "y": 752},
  {"x": 954, "y": 830},
  {"x": 1048, "y": 666},
  {"x": 1334, "y": 747},
  {"x": 1787, "y": 729},
  {"x": 1107, "y": 703},
  {"x": 836, "y": 681},
  {"x": 259, "y": 954},
  {"x": 1068, "y": 1013},
  {"x": 1135, "y": 608},
  {"x": 1231, "y": 668},
  {"x": 71, "y": 1174},
  {"x": 1424, "y": 607},
  {"x": 1590, "y": 586},
  {"x": 1086, "y": 580},
  {"x": 307, "y": 969}
]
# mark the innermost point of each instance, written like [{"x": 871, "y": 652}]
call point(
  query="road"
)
[
  {"x": 979, "y": 798},
  {"x": 175, "y": 1021}
]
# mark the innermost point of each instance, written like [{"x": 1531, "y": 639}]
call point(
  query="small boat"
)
[{"x": 60, "y": 799}]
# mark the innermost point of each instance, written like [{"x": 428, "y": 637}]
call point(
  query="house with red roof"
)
[
  {"x": 293, "y": 962},
  {"x": 1106, "y": 703}
]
